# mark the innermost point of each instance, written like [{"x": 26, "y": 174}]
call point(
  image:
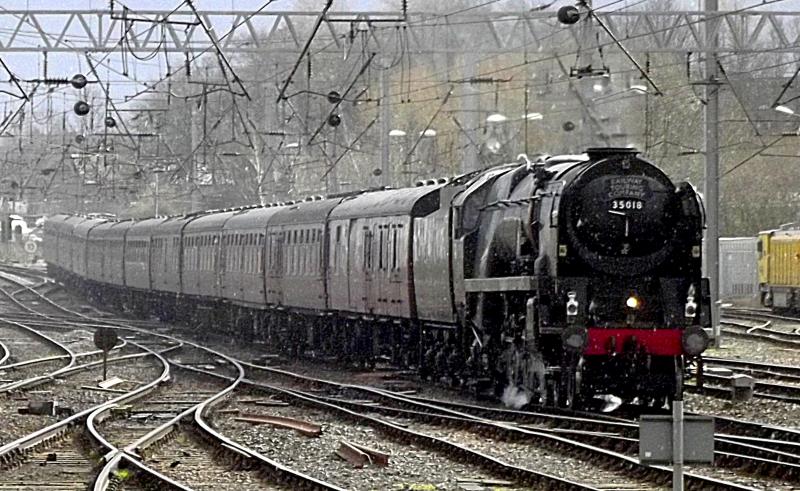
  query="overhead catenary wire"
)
[
  {"x": 601, "y": 45},
  {"x": 348, "y": 148},
  {"x": 220, "y": 55},
  {"x": 455, "y": 95},
  {"x": 314, "y": 30},
  {"x": 428, "y": 125}
]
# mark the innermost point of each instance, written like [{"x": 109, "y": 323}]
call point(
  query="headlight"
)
[
  {"x": 694, "y": 340},
  {"x": 633, "y": 302}
]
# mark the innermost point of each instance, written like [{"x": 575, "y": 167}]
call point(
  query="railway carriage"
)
[
  {"x": 297, "y": 287},
  {"x": 202, "y": 253},
  {"x": 371, "y": 271},
  {"x": 371, "y": 249},
  {"x": 137, "y": 254},
  {"x": 166, "y": 269},
  {"x": 298, "y": 271},
  {"x": 106, "y": 274},
  {"x": 555, "y": 278},
  {"x": 244, "y": 237},
  {"x": 81, "y": 248},
  {"x": 70, "y": 247},
  {"x": 95, "y": 252},
  {"x": 55, "y": 250}
]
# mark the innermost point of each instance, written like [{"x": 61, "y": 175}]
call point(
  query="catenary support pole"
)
[
  {"x": 711, "y": 190},
  {"x": 386, "y": 171},
  {"x": 470, "y": 105}
]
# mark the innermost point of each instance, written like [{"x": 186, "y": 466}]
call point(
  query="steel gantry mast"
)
[{"x": 53, "y": 31}]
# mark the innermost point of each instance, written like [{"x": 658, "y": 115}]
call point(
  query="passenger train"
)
[{"x": 557, "y": 278}]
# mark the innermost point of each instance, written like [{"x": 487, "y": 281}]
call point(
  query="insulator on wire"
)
[
  {"x": 79, "y": 81},
  {"x": 569, "y": 14},
  {"x": 334, "y": 97},
  {"x": 81, "y": 108}
]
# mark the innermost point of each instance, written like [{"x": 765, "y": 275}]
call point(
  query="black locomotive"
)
[{"x": 548, "y": 280}]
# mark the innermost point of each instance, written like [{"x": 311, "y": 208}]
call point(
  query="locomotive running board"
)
[{"x": 503, "y": 284}]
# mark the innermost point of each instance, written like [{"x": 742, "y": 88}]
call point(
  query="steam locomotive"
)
[{"x": 552, "y": 279}]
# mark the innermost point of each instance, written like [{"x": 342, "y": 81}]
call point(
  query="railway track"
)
[
  {"x": 777, "y": 329},
  {"x": 14, "y": 454},
  {"x": 563, "y": 484},
  {"x": 773, "y": 382},
  {"x": 602, "y": 438},
  {"x": 389, "y": 412}
]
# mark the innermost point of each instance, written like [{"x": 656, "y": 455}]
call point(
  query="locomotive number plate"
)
[{"x": 627, "y": 204}]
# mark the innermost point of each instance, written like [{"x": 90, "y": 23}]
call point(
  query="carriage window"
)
[
  {"x": 394, "y": 250},
  {"x": 306, "y": 257},
  {"x": 380, "y": 250},
  {"x": 367, "y": 250}
]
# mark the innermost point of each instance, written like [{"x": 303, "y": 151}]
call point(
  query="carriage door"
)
[
  {"x": 367, "y": 296},
  {"x": 222, "y": 263}
]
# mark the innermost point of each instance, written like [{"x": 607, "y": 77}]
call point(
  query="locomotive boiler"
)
[{"x": 550, "y": 280}]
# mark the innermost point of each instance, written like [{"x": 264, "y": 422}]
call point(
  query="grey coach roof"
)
[
  {"x": 112, "y": 229},
  {"x": 305, "y": 212},
  {"x": 82, "y": 229},
  {"x": 250, "y": 219},
  {"x": 418, "y": 201},
  {"x": 145, "y": 228},
  {"x": 210, "y": 222}
]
